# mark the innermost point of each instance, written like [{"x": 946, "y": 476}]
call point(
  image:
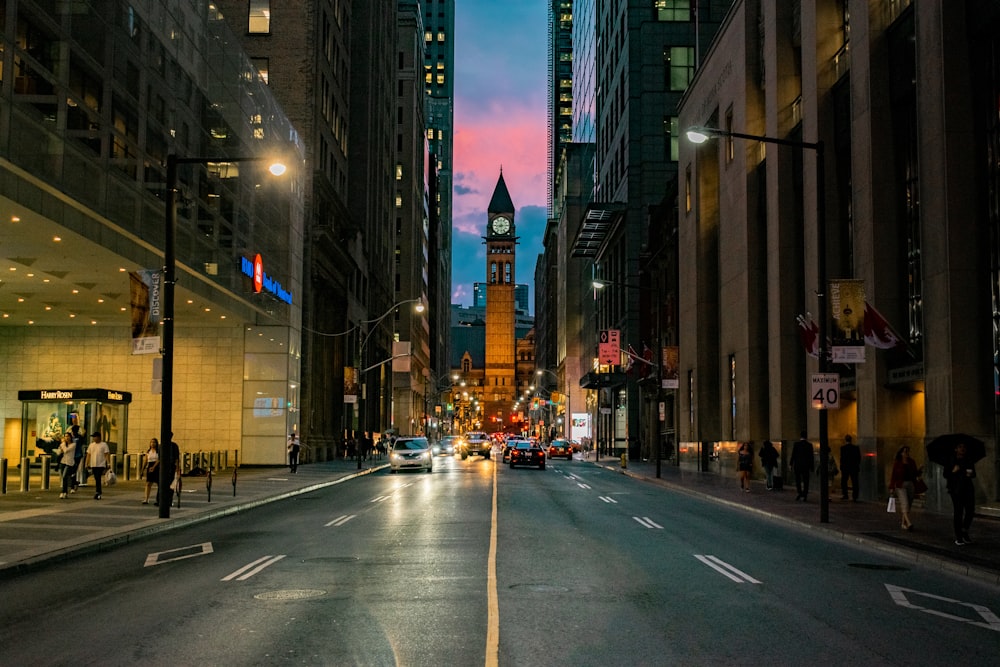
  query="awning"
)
[
  {"x": 594, "y": 380},
  {"x": 598, "y": 221}
]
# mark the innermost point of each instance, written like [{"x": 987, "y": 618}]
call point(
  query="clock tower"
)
[{"x": 500, "y": 390}]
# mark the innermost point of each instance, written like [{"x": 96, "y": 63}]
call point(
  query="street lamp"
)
[
  {"x": 599, "y": 284},
  {"x": 373, "y": 325},
  {"x": 167, "y": 464},
  {"x": 699, "y": 135}
]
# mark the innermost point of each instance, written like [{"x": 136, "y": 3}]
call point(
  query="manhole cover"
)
[
  {"x": 876, "y": 566},
  {"x": 300, "y": 594},
  {"x": 332, "y": 559}
]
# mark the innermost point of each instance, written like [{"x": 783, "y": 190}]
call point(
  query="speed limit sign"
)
[{"x": 825, "y": 391}]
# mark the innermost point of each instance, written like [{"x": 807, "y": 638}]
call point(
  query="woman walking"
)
[
  {"x": 744, "y": 464},
  {"x": 152, "y": 468},
  {"x": 904, "y": 474},
  {"x": 67, "y": 460}
]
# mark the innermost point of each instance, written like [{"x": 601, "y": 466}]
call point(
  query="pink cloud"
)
[{"x": 512, "y": 138}]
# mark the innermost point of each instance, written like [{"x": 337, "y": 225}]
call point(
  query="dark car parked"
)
[{"x": 526, "y": 453}]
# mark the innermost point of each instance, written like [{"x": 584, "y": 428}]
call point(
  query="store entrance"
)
[{"x": 47, "y": 414}]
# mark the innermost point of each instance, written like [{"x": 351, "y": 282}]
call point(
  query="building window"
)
[
  {"x": 399, "y": 171},
  {"x": 260, "y": 17},
  {"x": 730, "y": 149},
  {"x": 687, "y": 189},
  {"x": 441, "y": 37},
  {"x": 680, "y": 67},
  {"x": 261, "y": 65},
  {"x": 672, "y": 10},
  {"x": 673, "y": 144}
]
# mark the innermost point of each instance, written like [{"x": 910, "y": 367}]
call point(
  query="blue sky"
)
[{"x": 500, "y": 106}]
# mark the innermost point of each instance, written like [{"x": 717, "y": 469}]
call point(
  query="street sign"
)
[
  {"x": 609, "y": 347},
  {"x": 824, "y": 393}
]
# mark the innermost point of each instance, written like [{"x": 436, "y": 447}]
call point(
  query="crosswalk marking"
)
[
  {"x": 608, "y": 499},
  {"x": 181, "y": 553},
  {"x": 253, "y": 568},
  {"x": 724, "y": 568},
  {"x": 647, "y": 522},
  {"x": 380, "y": 499},
  {"x": 340, "y": 520},
  {"x": 582, "y": 485}
]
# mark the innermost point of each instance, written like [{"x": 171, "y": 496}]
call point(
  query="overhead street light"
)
[
  {"x": 699, "y": 135},
  {"x": 599, "y": 284},
  {"x": 167, "y": 464}
]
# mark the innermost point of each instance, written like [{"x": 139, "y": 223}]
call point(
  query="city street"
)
[{"x": 591, "y": 568}]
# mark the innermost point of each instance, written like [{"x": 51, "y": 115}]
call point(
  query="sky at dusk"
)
[{"x": 500, "y": 105}]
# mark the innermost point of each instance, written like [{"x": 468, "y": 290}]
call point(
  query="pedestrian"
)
[
  {"x": 962, "y": 491},
  {"x": 152, "y": 469},
  {"x": 78, "y": 447},
  {"x": 98, "y": 459},
  {"x": 769, "y": 459},
  {"x": 744, "y": 465},
  {"x": 67, "y": 459},
  {"x": 803, "y": 462},
  {"x": 904, "y": 474},
  {"x": 81, "y": 465},
  {"x": 850, "y": 467},
  {"x": 293, "y": 448}
]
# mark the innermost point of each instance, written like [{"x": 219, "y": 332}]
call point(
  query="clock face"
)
[{"x": 501, "y": 225}]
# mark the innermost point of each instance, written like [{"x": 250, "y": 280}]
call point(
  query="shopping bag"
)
[
  {"x": 891, "y": 507},
  {"x": 110, "y": 478}
]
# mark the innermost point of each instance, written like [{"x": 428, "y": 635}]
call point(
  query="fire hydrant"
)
[{"x": 624, "y": 461}]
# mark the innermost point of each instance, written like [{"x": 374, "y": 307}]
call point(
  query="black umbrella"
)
[{"x": 941, "y": 450}]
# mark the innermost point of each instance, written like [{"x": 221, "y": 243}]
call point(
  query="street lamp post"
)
[
  {"x": 700, "y": 135},
  {"x": 167, "y": 463},
  {"x": 658, "y": 374},
  {"x": 372, "y": 327}
]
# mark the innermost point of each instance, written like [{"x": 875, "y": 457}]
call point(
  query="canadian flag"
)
[
  {"x": 878, "y": 332},
  {"x": 647, "y": 357},
  {"x": 809, "y": 335},
  {"x": 630, "y": 355}
]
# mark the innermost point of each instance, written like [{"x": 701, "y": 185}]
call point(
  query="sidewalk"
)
[
  {"x": 37, "y": 526},
  {"x": 930, "y": 543}
]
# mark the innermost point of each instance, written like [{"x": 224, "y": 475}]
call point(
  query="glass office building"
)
[{"x": 93, "y": 97}]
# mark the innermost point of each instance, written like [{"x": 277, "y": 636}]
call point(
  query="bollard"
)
[
  {"x": 25, "y": 474},
  {"x": 3, "y": 477},
  {"x": 45, "y": 471},
  {"x": 127, "y": 472},
  {"x": 624, "y": 461},
  {"x": 234, "y": 481},
  {"x": 225, "y": 459},
  {"x": 208, "y": 485},
  {"x": 213, "y": 459},
  {"x": 113, "y": 461},
  {"x": 186, "y": 467}
]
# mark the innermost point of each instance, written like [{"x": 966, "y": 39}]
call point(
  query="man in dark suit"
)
[
  {"x": 803, "y": 462},
  {"x": 850, "y": 466}
]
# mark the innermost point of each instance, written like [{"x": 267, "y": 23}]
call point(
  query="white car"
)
[{"x": 411, "y": 453}]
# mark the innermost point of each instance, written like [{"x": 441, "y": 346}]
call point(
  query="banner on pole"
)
[{"x": 145, "y": 290}]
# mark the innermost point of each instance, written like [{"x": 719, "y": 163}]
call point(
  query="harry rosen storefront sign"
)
[{"x": 254, "y": 269}]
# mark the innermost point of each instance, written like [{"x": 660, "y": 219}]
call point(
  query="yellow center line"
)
[{"x": 493, "y": 605}]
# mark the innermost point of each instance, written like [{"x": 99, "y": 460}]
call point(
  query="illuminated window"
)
[
  {"x": 441, "y": 37},
  {"x": 260, "y": 17},
  {"x": 680, "y": 67},
  {"x": 673, "y": 10},
  {"x": 399, "y": 172},
  {"x": 428, "y": 36},
  {"x": 440, "y": 79}
]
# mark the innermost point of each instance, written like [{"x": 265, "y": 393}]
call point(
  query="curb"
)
[
  {"x": 903, "y": 553},
  {"x": 157, "y": 526}
]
